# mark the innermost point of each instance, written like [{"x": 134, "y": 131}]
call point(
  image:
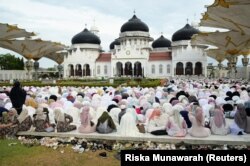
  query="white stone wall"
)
[
  {"x": 134, "y": 48},
  {"x": 183, "y": 51},
  {"x": 13, "y": 74},
  {"x": 155, "y": 71},
  {"x": 81, "y": 54},
  {"x": 103, "y": 69}
]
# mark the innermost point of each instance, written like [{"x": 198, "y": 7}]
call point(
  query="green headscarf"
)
[{"x": 105, "y": 116}]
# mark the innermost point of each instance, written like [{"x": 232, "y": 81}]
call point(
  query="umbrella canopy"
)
[
  {"x": 216, "y": 54},
  {"x": 229, "y": 14},
  {"x": 12, "y": 32},
  {"x": 231, "y": 42},
  {"x": 58, "y": 56},
  {"x": 32, "y": 49}
]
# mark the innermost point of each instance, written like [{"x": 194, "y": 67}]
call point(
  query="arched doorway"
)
[
  {"x": 128, "y": 68},
  {"x": 179, "y": 68},
  {"x": 86, "y": 70},
  {"x": 189, "y": 68},
  {"x": 119, "y": 69},
  {"x": 138, "y": 69},
  {"x": 78, "y": 70},
  {"x": 198, "y": 68},
  {"x": 71, "y": 70}
]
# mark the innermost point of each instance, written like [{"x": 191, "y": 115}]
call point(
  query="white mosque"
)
[{"x": 135, "y": 54}]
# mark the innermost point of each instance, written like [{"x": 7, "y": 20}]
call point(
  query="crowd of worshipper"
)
[{"x": 181, "y": 107}]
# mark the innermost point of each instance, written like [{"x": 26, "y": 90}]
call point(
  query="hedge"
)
[{"x": 77, "y": 83}]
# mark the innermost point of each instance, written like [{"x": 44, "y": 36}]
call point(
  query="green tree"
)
[{"x": 10, "y": 62}]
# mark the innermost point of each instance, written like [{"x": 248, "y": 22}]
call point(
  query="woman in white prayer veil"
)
[
  {"x": 51, "y": 115},
  {"x": 75, "y": 113},
  {"x": 96, "y": 101},
  {"x": 105, "y": 100},
  {"x": 99, "y": 111},
  {"x": 128, "y": 125},
  {"x": 67, "y": 104},
  {"x": 63, "y": 121},
  {"x": 114, "y": 113},
  {"x": 244, "y": 95},
  {"x": 31, "y": 111},
  {"x": 207, "y": 109},
  {"x": 24, "y": 120}
]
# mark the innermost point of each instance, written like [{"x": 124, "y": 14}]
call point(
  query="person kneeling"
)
[
  {"x": 41, "y": 120},
  {"x": 87, "y": 126},
  {"x": 105, "y": 124},
  {"x": 63, "y": 121},
  {"x": 198, "y": 129}
]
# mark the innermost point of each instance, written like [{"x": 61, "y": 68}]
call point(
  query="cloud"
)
[{"x": 60, "y": 20}]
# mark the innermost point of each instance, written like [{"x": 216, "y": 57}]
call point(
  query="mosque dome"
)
[
  {"x": 85, "y": 37},
  {"x": 112, "y": 45},
  {"x": 134, "y": 24},
  {"x": 184, "y": 33},
  {"x": 161, "y": 42}
]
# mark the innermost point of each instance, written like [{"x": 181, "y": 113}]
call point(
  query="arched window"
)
[
  {"x": 160, "y": 69},
  {"x": 168, "y": 69},
  {"x": 98, "y": 69},
  {"x": 198, "y": 68},
  {"x": 105, "y": 69},
  {"x": 153, "y": 69},
  {"x": 179, "y": 68}
]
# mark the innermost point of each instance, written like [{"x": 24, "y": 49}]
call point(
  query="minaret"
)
[{"x": 94, "y": 29}]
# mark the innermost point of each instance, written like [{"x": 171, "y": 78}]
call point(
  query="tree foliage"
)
[{"x": 10, "y": 62}]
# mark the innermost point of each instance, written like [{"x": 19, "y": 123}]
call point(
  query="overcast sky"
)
[{"x": 60, "y": 20}]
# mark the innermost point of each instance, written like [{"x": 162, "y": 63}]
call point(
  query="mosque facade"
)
[{"x": 135, "y": 54}]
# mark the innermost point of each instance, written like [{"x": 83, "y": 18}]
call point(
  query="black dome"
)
[
  {"x": 85, "y": 37},
  {"x": 161, "y": 42},
  {"x": 134, "y": 24},
  {"x": 184, "y": 33},
  {"x": 112, "y": 45}
]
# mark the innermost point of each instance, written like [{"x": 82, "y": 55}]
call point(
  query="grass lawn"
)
[{"x": 20, "y": 155}]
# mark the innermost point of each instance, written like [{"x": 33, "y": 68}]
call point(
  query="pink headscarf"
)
[
  {"x": 118, "y": 97},
  {"x": 199, "y": 116},
  {"x": 78, "y": 105},
  {"x": 155, "y": 113},
  {"x": 85, "y": 116},
  {"x": 55, "y": 104},
  {"x": 219, "y": 118}
]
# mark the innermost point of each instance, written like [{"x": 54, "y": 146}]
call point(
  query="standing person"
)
[{"x": 17, "y": 97}]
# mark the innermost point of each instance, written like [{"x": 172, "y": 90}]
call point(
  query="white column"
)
[
  {"x": 173, "y": 69},
  {"x": 184, "y": 68},
  {"x": 111, "y": 71},
  {"x": 123, "y": 68},
  {"x": 205, "y": 69},
  {"x": 133, "y": 70},
  {"x": 74, "y": 69}
]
